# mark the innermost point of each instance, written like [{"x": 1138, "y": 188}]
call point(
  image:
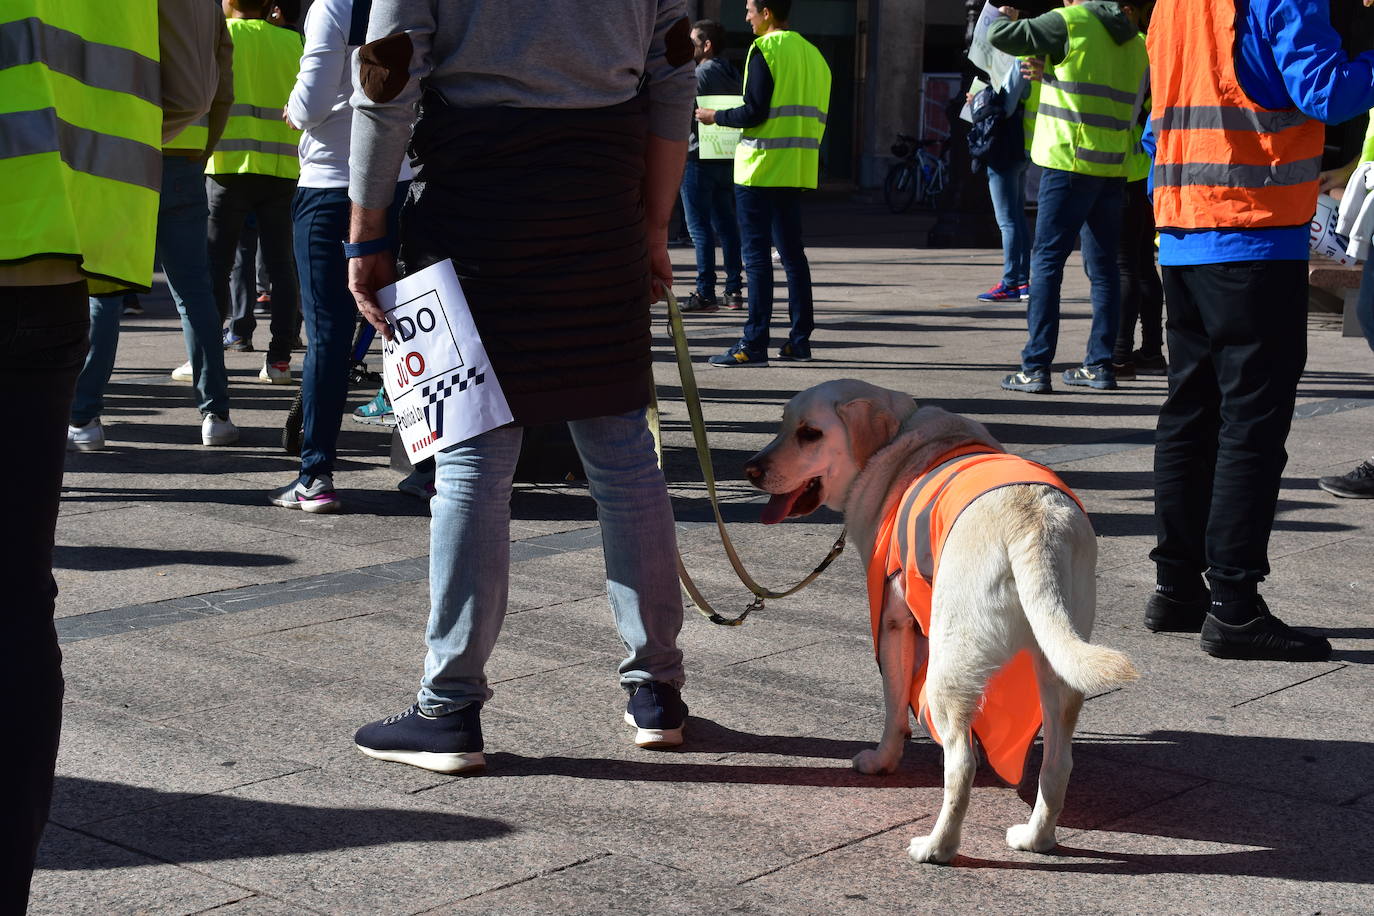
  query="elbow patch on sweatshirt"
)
[
  {"x": 384, "y": 66},
  {"x": 677, "y": 43}
]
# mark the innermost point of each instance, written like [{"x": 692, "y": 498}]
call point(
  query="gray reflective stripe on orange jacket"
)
[
  {"x": 1233, "y": 175},
  {"x": 925, "y": 551},
  {"x": 32, "y": 41},
  {"x": 28, "y": 133},
  {"x": 1225, "y": 117}
]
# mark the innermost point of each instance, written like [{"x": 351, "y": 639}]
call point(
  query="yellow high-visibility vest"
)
[
  {"x": 784, "y": 151},
  {"x": 256, "y": 140},
  {"x": 80, "y": 131}
]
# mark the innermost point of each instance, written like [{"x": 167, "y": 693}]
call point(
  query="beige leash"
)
[{"x": 693, "y": 401}]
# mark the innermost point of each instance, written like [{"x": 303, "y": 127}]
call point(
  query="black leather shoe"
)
[
  {"x": 1171, "y": 615},
  {"x": 1265, "y": 637}
]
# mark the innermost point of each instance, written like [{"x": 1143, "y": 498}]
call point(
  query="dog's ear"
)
[{"x": 870, "y": 426}]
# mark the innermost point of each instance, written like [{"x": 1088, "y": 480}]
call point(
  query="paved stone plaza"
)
[{"x": 220, "y": 652}]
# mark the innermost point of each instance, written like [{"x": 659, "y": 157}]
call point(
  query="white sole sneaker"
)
[
  {"x": 654, "y": 737},
  {"x": 183, "y": 373},
  {"x": 430, "y": 760}
]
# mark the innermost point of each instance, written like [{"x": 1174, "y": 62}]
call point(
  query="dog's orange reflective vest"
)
[{"x": 909, "y": 541}]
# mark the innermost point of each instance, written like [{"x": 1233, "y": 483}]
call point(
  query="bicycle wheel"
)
[
  {"x": 901, "y": 187},
  {"x": 935, "y": 186}
]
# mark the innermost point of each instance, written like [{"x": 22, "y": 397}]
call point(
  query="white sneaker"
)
[
  {"x": 217, "y": 430},
  {"x": 86, "y": 438},
  {"x": 276, "y": 373},
  {"x": 183, "y": 373}
]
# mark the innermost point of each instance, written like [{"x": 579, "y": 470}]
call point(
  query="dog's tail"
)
[{"x": 1083, "y": 666}]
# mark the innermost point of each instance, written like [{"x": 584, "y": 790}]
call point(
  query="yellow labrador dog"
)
[{"x": 1016, "y": 572}]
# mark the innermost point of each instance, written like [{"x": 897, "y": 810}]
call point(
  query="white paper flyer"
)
[{"x": 435, "y": 368}]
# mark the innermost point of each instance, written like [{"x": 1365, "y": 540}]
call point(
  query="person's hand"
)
[
  {"x": 286, "y": 116},
  {"x": 1336, "y": 179},
  {"x": 368, "y": 274},
  {"x": 706, "y": 115},
  {"x": 1010, "y": 12},
  {"x": 660, "y": 265},
  {"x": 1032, "y": 68}
]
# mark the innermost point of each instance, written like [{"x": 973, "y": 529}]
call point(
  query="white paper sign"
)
[
  {"x": 996, "y": 64},
  {"x": 1322, "y": 235},
  {"x": 435, "y": 368}
]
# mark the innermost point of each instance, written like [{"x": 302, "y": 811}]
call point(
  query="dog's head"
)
[{"x": 828, "y": 433}]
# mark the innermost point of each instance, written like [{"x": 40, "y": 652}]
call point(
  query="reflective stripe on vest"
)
[
  {"x": 80, "y": 126},
  {"x": 1221, "y": 160},
  {"x": 1089, "y": 101},
  {"x": 256, "y": 140},
  {"x": 784, "y": 151}
]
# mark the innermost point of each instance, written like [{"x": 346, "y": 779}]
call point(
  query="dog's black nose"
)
[{"x": 753, "y": 471}]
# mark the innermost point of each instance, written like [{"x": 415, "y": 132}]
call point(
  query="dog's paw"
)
[
  {"x": 872, "y": 763},
  {"x": 930, "y": 849},
  {"x": 1023, "y": 837}
]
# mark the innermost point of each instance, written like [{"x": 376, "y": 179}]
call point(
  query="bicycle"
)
[{"x": 917, "y": 174}]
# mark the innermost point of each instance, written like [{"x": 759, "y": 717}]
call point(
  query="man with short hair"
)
[
  {"x": 1094, "y": 84},
  {"x": 786, "y": 96},
  {"x": 1240, "y": 88},
  {"x": 254, "y": 170},
  {"x": 708, "y": 202}
]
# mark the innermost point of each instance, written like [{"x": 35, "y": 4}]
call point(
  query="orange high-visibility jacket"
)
[
  {"x": 1222, "y": 161},
  {"x": 910, "y": 540}
]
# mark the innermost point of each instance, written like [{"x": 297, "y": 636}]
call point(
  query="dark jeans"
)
[
  {"x": 1237, "y": 345},
  {"x": 768, "y": 217},
  {"x": 42, "y": 347},
  {"x": 232, "y": 198},
  {"x": 708, "y": 205},
  {"x": 320, "y": 216},
  {"x": 1074, "y": 207},
  {"x": 1142, "y": 295}
]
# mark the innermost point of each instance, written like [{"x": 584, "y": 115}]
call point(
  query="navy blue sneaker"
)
[
  {"x": 737, "y": 356},
  {"x": 797, "y": 353},
  {"x": 656, "y": 712},
  {"x": 444, "y": 744},
  {"x": 1099, "y": 377},
  {"x": 1033, "y": 381}
]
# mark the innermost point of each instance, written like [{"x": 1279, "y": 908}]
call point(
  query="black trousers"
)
[
  {"x": 232, "y": 198},
  {"x": 43, "y": 339},
  {"x": 1237, "y": 336},
  {"x": 1141, "y": 294}
]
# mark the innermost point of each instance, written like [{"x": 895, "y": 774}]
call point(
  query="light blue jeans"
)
[
  {"x": 469, "y": 560},
  {"x": 1007, "y": 187},
  {"x": 1364, "y": 304},
  {"x": 181, "y": 226}
]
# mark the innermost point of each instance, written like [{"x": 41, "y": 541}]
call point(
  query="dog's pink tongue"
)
[{"x": 778, "y": 507}]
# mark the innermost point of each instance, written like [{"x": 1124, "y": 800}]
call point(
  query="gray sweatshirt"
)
[{"x": 484, "y": 53}]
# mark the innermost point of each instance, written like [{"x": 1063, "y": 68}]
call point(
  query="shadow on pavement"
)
[
  {"x": 100, "y": 559},
  {"x": 206, "y": 828}
]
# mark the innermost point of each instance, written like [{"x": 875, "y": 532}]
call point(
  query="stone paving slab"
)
[{"x": 1218, "y": 787}]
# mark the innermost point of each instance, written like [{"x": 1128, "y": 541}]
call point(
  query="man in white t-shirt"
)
[{"x": 319, "y": 107}]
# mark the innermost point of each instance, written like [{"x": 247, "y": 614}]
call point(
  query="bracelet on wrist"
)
[{"x": 363, "y": 249}]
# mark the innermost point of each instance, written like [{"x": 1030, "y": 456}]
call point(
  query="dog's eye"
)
[{"x": 808, "y": 433}]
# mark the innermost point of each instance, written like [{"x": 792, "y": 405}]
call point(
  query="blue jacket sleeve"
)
[
  {"x": 758, "y": 94},
  {"x": 1320, "y": 78}
]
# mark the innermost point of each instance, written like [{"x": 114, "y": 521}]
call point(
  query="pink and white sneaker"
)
[{"x": 315, "y": 495}]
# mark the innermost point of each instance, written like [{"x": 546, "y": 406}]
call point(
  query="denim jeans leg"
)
[
  {"x": 89, "y": 401},
  {"x": 1065, "y": 199},
  {"x": 639, "y": 542},
  {"x": 1007, "y": 187},
  {"x": 275, "y": 236},
  {"x": 1101, "y": 236},
  {"x": 696, "y": 211},
  {"x": 469, "y": 567},
  {"x": 321, "y": 223},
  {"x": 228, "y": 210},
  {"x": 181, "y": 224},
  {"x": 787, "y": 235},
  {"x": 755, "y": 209},
  {"x": 722, "y": 202}
]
